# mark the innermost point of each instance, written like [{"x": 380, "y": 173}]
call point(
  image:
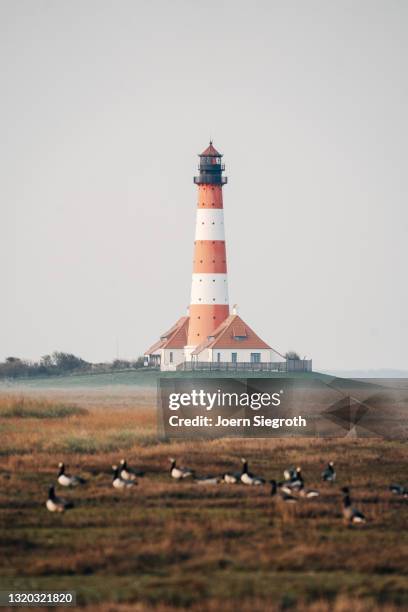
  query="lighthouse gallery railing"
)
[{"x": 290, "y": 365}]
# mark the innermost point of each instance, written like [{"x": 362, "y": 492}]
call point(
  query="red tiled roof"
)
[
  {"x": 239, "y": 330},
  {"x": 175, "y": 337},
  {"x": 225, "y": 336},
  {"x": 155, "y": 347},
  {"x": 210, "y": 150}
]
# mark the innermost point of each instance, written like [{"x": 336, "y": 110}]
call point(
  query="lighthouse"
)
[
  {"x": 211, "y": 337},
  {"x": 209, "y": 305}
]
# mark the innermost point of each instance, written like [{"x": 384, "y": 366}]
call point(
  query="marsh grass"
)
[
  {"x": 168, "y": 546},
  {"x": 28, "y": 408},
  {"x": 121, "y": 440}
]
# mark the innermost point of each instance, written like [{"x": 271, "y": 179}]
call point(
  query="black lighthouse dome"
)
[{"x": 210, "y": 167}]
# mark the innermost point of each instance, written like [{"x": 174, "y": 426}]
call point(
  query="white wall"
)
[
  {"x": 205, "y": 355},
  {"x": 178, "y": 357}
]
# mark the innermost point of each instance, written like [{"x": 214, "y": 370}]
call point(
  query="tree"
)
[
  {"x": 46, "y": 361},
  {"x": 139, "y": 363},
  {"x": 66, "y": 362},
  {"x": 121, "y": 364},
  {"x": 292, "y": 355}
]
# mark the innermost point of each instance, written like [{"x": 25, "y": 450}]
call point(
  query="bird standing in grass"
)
[
  {"x": 127, "y": 473},
  {"x": 179, "y": 473},
  {"x": 351, "y": 515},
  {"x": 329, "y": 474},
  {"x": 66, "y": 480},
  {"x": 57, "y": 504},
  {"x": 121, "y": 483},
  {"x": 248, "y": 478}
]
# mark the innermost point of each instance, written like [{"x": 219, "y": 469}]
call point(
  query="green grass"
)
[{"x": 138, "y": 378}]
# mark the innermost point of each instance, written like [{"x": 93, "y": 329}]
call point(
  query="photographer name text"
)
[{"x": 254, "y": 421}]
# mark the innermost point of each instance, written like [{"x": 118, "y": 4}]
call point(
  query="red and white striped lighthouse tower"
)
[{"x": 209, "y": 305}]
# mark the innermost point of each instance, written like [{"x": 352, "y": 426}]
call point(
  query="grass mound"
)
[{"x": 24, "y": 408}]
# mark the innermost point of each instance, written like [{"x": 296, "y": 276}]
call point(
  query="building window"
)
[
  {"x": 171, "y": 357},
  {"x": 218, "y": 357},
  {"x": 234, "y": 357},
  {"x": 255, "y": 357}
]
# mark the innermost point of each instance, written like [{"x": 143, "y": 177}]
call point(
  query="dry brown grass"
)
[
  {"x": 22, "y": 407},
  {"x": 166, "y": 545}
]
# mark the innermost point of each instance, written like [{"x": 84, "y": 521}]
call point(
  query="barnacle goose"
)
[
  {"x": 329, "y": 474},
  {"x": 118, "y": 482},
  {"x": 296, "y": 482},
  {"x": 297, "y": 485},
  {"x": 66, "y": 480},
  {"x": 203, "y": 480},
  {"x": 248, "y": 478},
  {"x": 284, "y": 496},
  {"x": 350, "y": 514},
  {"x": 180, "y": 472},
  {"x": 231, "y": 478},
  {"x": 289, "y": 474},
  {"x": 57, "y": 504},
  {"x": 127, "y": 473}
]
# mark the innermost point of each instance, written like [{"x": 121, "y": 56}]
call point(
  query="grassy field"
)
[{"x": 168, "y": 545}]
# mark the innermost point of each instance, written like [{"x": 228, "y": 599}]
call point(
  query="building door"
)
[
  {"x": 255, "y": 357},
  {"x": 234, "y": 357}
]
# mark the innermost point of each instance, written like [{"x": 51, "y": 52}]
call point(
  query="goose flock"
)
[{"x": 290, "y": 490}]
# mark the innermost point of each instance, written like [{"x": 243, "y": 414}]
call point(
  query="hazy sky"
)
[{"x": 103, "y": 109}]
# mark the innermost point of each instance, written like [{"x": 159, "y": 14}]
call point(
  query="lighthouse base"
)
[{"x": 232, "y": 345}]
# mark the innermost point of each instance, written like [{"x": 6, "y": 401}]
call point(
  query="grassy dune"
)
[{"x": 166, "y": 545}]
